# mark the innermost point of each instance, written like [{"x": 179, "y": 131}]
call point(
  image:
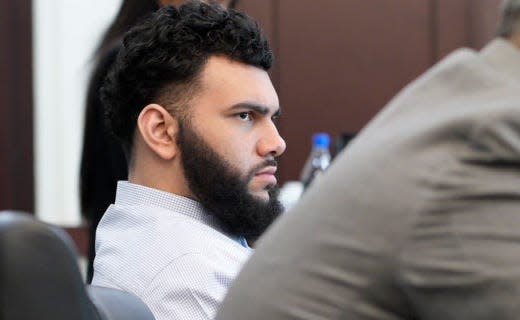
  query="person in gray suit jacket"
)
[{"x": 419, "y": 218}]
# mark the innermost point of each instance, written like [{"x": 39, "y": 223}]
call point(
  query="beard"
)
[{"x": 222, "y": 191}]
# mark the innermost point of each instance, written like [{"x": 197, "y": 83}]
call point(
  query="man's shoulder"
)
[
  {"x": 180, "y": 271},
  {"x": 161, "y": 230},
  {"x": 462, "y": 70},
  {"x": 192, "y": 286},
  {"x": 461, "y": 84},
  {"x": 134, "y": 249},
  {"x": 466, "y": 71}
]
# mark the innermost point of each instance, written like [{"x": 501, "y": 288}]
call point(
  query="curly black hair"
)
[{"x": 164, "y": 55}]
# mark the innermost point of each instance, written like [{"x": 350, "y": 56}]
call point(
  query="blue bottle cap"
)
[{"x": 321, "y": 140}]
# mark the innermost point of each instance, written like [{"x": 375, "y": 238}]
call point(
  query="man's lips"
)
[
  {"x": 267, "y": 170},
  {"x": 267, "y": 174}
]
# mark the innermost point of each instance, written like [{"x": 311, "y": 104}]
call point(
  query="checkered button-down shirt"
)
[{"x": 166, "y": 250}]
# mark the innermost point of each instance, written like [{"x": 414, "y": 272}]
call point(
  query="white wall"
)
[{"x": 65, "y": 33}]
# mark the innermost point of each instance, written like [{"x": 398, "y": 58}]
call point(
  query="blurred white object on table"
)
[{"x": 290, "y": 193}]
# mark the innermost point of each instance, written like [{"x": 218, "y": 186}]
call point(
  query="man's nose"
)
[{"x": 271, "y": 143}]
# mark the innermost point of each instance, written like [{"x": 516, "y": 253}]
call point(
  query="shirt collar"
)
[
  {"x": 503, "y": 56},
  {"x": 130, "y": 194}
]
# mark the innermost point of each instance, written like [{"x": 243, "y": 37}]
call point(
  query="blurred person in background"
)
[
  {"x": 419, "y": 218},
  {"x": 103, "y": 162},
  {"x": 192, "y": 104}
]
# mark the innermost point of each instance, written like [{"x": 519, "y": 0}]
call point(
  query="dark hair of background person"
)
[
  {"x": 103, "y": 162},
  {"x": 161, "y": 59}
]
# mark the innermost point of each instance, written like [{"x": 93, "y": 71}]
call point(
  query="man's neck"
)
[{"x": 166, "y": 181}]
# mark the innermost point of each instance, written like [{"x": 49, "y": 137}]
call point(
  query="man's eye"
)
[{"x": 246, "y": 116}]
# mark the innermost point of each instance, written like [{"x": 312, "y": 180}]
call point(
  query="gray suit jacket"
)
[{"x": 418, "y": 219}]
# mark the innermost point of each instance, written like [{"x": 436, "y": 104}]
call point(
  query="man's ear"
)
[{"x": 159, "y": 129}]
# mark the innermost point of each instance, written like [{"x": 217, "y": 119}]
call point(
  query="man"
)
[
  {"x": 419, "y": 218},
  {"x": 190, "y": 99},
  {"x": 103, "y": 162}
]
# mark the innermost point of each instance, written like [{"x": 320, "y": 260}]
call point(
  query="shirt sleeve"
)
[{"x": 191, "y": 287}]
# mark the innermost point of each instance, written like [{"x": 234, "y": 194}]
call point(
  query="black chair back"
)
[
  {"x": 114, "y": 304},
  {"x": 40, "y": 277}
]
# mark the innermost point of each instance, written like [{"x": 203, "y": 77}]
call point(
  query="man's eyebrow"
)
[{"x": 261, "y": 109}]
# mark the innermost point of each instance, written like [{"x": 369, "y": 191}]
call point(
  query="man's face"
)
[
  {"x": 235, "y": 114},
  {"x": 229, "y": 143}
]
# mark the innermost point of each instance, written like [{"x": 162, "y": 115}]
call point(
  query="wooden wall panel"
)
[
  {"x": 266, "y": 13},
  {"x": 464, "y": 23},
  {"x": 451, "y": 26},
  {"x": 340, "y": 63},
  {"x": 16, "y": 125},
  {"x": 483, "y": 21}
]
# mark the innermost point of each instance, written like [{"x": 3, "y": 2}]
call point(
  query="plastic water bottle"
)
[{"x": 319, "y": 159}]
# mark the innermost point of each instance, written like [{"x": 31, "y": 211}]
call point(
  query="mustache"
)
[{"x": 264, "y": 164}]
